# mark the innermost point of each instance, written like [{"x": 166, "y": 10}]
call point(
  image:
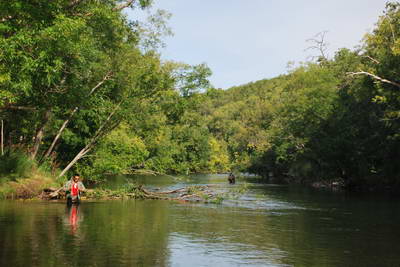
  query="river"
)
[{"x": 270, "y": 225}]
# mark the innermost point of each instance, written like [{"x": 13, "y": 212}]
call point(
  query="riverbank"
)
[
  {"x": 45, "y": 188},
  {"x": 25, "y": 188},
  {"x": 367, "y": 185}
]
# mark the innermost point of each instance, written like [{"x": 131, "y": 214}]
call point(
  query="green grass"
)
[{"x": 20, "y": 176}]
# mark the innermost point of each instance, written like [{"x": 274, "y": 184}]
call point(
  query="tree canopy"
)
[{"x": 79, "y": 91}]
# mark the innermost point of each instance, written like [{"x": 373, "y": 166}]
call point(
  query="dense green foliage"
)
[
  {"x": 337, "y": 118},
  {"x": 75, "y": 79},
  {"x": 80, "y": 64}
]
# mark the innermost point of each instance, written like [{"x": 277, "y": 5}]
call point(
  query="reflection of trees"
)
[
  {"x": 111, "y": 234},
  {"x": 129, "y": 233},
  {"x": 30, "y": 235},
  {"x": 334, "y": 232}
]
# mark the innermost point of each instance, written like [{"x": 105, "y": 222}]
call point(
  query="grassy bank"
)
[
  {"x": 25, "y": 188},
  {"x": 21, "y": 178}
]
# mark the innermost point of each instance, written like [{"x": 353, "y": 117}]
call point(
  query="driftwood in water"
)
[
  {"x": 53, "y": 193},
  {"x": 131, "y": 191},
  {"x": 191, "y": 193}
]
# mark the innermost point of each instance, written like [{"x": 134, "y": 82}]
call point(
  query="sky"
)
[{"x": 249, "y": 40}]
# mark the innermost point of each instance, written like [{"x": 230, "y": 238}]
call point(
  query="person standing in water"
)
[
  {"x": 231, "y": 178},
  {"x": 73, "y": 188}
]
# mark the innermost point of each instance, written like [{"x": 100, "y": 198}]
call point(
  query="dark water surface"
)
[{"x": 269, "y": 226}]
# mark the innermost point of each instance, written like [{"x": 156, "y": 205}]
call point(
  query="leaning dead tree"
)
[
  {"x": 119, "y": 7},
  {"x": 72, "y": 113},
  {"x": 104, "y": 128},
  {"x": 40, "y": 133},
  {"x": 123, "y": 5},
  {"x": 376, "y": 77}
]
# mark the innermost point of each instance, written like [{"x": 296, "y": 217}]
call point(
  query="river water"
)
[{"x": 270, "y": 225}]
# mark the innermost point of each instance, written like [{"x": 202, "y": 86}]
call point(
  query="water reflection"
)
[
  {"x": 73, "y": 217},
  {"x": 269, "y": 226}
]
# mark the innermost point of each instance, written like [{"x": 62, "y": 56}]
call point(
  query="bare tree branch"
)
[
  {"x": 106, "y": 77},
  {"x": 392, "y": 30},
  {"x": 11, "y": 107},
  {"x": 372, "y": 59},
  {"x": 99, "y": 134},
  {"x": 319, "y": 44},
  {"x": 128, "y": 3},
  {"x": 375, "y": 77},
  {"x": 6, "y": 18},
  {"x": 74, "y": 3},
  {"x": 40, "y": 133},
  {"x": 64, "y": 125},
  {"x": 60, "y": 88}
]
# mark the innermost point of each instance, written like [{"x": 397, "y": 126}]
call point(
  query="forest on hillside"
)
[{"x": 83, "y": 90}]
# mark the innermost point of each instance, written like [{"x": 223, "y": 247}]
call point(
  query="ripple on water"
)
[{"x": 189, "y": 251}]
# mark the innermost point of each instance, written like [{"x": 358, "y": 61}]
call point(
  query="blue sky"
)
[{"x": 248, "y": 40}]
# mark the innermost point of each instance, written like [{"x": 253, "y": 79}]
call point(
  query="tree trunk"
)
[
  {"x": 375, "y": 77},
  {"x": 10, "y": 140},
  {"x": 40, "y": 134},
  {"x": 64, "y": 125},
  {"x": 2, "y": 137},
  {"x": 81, "y": 153},
  {"x": 128, "y": 3},
  {"x": 100, "y": 133}
]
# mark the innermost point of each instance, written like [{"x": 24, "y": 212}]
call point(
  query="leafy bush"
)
[{"x": 16, "y": 164}]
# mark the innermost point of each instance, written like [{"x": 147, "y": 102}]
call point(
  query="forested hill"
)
[
  {"x": 80, "y": 93},
  {"x": 334, "y": 119},
  {"x": 268, "y": 125},
  {"x": 337, "y": 119}
]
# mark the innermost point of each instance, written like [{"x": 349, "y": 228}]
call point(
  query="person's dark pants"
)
[{"x": 72, "y": 199}]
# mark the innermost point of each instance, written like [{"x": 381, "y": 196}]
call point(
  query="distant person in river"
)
[
  {"x": 73, "y": 189},
  {"x": 231, "y": 178}
]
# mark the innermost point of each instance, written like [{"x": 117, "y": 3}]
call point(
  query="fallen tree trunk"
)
[{"x": 52, "y": 193}]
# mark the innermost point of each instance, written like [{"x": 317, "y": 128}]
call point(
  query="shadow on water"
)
[{"x": 270, "y": 225}]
